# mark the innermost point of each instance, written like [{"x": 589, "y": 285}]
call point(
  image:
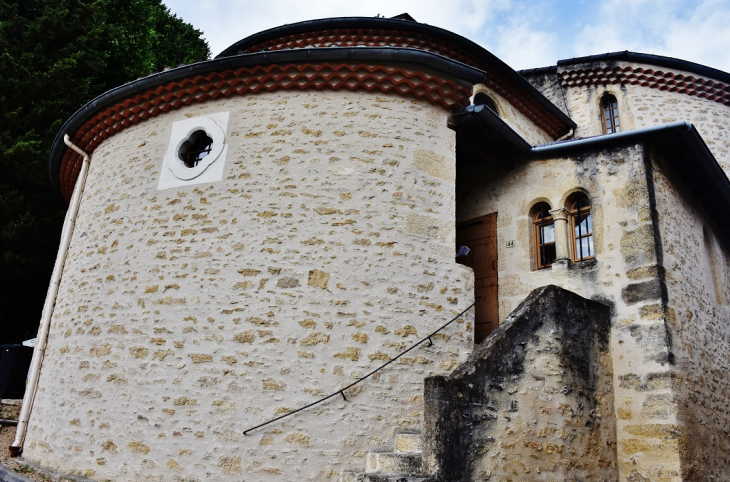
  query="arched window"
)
[
  {"x": 611, "y": 123},
  {"x": 581, "y": 228},
  {"x": 483, "y": 99},
  {"x": 544, "y": 235}
]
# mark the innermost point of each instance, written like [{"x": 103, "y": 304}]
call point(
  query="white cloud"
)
[
  {"x": 523, "y": 47},
  {"x": 523, "y": 33},
  {"x": 225, "y": 23},
  {"x": 695, "y": 30}
]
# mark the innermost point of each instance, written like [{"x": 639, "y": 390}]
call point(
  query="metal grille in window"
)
[
  {"x": 544, "y": 236},
  {"x": 611, "y": 122},
  {"x": 582, "y": 226},
  {"x": 193, "y": 150}
]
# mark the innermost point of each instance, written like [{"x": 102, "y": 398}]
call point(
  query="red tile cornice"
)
[
  {"x": 654, "y": 79},
  {"x": 428, "y": 86},
  {"x": 371, "y": 37}
]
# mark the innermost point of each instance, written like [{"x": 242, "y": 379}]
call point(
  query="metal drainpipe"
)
[
  {"x": 569, "y": 134},
  {"x": 35, "y": 367}
]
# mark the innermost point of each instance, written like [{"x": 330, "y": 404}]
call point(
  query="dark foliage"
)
[{"x": 57, "y": 55}]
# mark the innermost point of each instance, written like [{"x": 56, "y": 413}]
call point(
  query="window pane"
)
[
  {"x": 585, "y": 248},
  {"x": 581, "y": 226},
  {"x": 590, "y": 246},
  {"x": 548, "y": 233},
  {"x": 547, "y": 254},
  {"x": 617, "y": 129},
  {"x": 589, "y": 224}
]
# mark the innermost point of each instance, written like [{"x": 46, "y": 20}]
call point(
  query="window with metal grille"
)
[
  {"x": 581, "y": 225},
  {"x": 195, "y": 148},
  {"x": 544, "y": 230},
  {"x": 611, "y": 123}
]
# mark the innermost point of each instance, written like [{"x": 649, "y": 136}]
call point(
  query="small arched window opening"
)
[
  {"x": 195, "y": 148},
  {"x": 483, "y": 99},
  {"x": 611, "y": 123},
  {"x": 544, "y": 230},
  {"x": 581, "y": 228}
]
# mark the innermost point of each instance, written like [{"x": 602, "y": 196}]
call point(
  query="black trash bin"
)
[{"x": 14, "y": 364}]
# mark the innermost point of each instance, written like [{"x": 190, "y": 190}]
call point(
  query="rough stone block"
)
[
  {"x": 408, "y": 442},
  {"x": 644, "y": 291},
  {"x": 395, "y": 463}
]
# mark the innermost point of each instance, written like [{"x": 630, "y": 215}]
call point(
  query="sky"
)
[{"x": 523, "y": 33}]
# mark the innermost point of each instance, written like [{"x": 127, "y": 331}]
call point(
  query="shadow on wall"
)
[{"x": 535, "y": 397}]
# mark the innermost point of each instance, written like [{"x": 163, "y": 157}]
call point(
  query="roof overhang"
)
[
  {"x": 379, "y": 31},
  {"x": 679, "y": 144},
  {"x": 158, "y": 93},
  {"x": 639, "y": 58}
]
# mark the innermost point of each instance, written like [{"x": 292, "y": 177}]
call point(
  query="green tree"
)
[{"x": 55, "y": 56}]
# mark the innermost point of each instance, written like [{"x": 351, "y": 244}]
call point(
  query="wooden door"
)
[{"x": 480, "y": 236}]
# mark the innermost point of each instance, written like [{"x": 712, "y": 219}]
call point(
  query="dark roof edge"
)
[
  {"x": 491, "y": 119},
  {"x": 386, "y": 54},
  {"x": 553, "y": 69},
  {"x": 714, "y": 179},
  {"x": 657, "y": 60},
  {"x": 606, "y": 140},
  {"x": 338, "y": 22},
  {"x": 375, "y": 22}
]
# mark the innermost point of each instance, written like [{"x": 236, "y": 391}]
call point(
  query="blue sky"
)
[{"x": 524, "y": 34}]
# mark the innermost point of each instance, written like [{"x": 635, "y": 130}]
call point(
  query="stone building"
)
[{"x": 261, "y": 230}]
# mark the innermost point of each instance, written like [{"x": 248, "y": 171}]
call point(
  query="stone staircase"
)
[{"x": 404, "y": 464}]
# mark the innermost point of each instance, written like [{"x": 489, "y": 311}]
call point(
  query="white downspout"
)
[
  {"x": 35, "y": 367},
  {"x": 570, "y": 133}
]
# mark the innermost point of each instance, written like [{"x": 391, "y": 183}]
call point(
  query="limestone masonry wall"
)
[
  {"x": 641, "y": 106},
  {"x": 697, "y": 264},
  {"x": 188, "y": 315},
  {"x": 533, "y": 402},
  {"x": 624, "y": 275}
]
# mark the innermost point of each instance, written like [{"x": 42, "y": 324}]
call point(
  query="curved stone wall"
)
[{"x": 190, "y": 314}]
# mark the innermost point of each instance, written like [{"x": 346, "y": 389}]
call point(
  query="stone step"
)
[
  {"x": 407, "y": 442},
  {"x": 392, "y": 463},
  {"x": 10, "y": 408},
  {"x": 405, "y": 464},
  {"x": 357, "y": 477},
  {"x": 351, "y": 477}
]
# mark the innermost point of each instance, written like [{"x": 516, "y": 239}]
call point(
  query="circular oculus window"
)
[{"x": 201, "y": 145}]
